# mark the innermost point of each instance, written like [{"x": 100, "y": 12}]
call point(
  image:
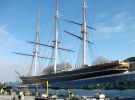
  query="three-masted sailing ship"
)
[{"x": 84, "y": 71}]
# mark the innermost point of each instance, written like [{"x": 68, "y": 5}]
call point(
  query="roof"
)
[
  {"x": 13, "y": 84},
  {"x": 130, "y": 59}
]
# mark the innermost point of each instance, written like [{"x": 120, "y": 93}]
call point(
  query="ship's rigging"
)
[
  {"x": 85, "y": 71},
  {"x": 54, "y": 47},
  {"x": 35, "y": 56}
]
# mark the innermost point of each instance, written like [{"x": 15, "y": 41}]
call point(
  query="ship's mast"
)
[
  {"x": 56, "y": 37},
  {"x": 84, "y": 33},
  {"x": 35, "y": 53}
]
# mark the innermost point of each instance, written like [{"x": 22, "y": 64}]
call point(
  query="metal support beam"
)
[
  {"x": 70, "y": 21},
  {"x": 51, "y": 46},
  {"x": 77, "y": 36},
  {"x": 29, "y": 55}
]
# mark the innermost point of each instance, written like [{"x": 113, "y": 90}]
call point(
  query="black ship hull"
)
[
  {"x": 87, "y": 72},
  {"x": 43, "y": 78}
]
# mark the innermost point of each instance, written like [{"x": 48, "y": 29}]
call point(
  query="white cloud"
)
[
  {"x": 131, "y": 41},
  {"x": 7, "y": 70},
  {"x": 110, "y": 29},
  {"x": 7, "y": 63},
  {"x": 6, "y": 38},
  {"x": 101, "y": 15},
  {"x": 132, "y": 26},
  {"x": 120, "y": 22},
  {"x": 122, "y": 16}
]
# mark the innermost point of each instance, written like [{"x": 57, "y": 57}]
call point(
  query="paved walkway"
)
[{"x": 9, "y": 97}]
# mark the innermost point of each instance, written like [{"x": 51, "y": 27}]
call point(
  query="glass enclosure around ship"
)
[
  {"x": 109, "y": 86},
  {"x": 127, "y": 84}
]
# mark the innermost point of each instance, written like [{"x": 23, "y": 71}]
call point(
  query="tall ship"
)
[{"x": 85, "y": 71}]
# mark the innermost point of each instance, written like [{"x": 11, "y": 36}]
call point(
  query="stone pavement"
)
[{"x": 9, "y": 97}]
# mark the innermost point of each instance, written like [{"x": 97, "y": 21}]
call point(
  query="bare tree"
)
[
  {"x": 65, "y": 66},
  {"x": 48, "y": 70},
  {"x": 100, "y": 60}
]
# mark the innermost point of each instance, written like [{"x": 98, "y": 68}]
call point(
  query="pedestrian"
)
[
  {"x": 20, "y": 95},
  {"x": 13, "y": 95},
  {"x": 1, "y": 91},
  {"x": 70, "y": 95}
]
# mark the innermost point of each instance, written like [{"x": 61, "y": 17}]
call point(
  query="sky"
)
[{"x": 114, "y": 38}]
